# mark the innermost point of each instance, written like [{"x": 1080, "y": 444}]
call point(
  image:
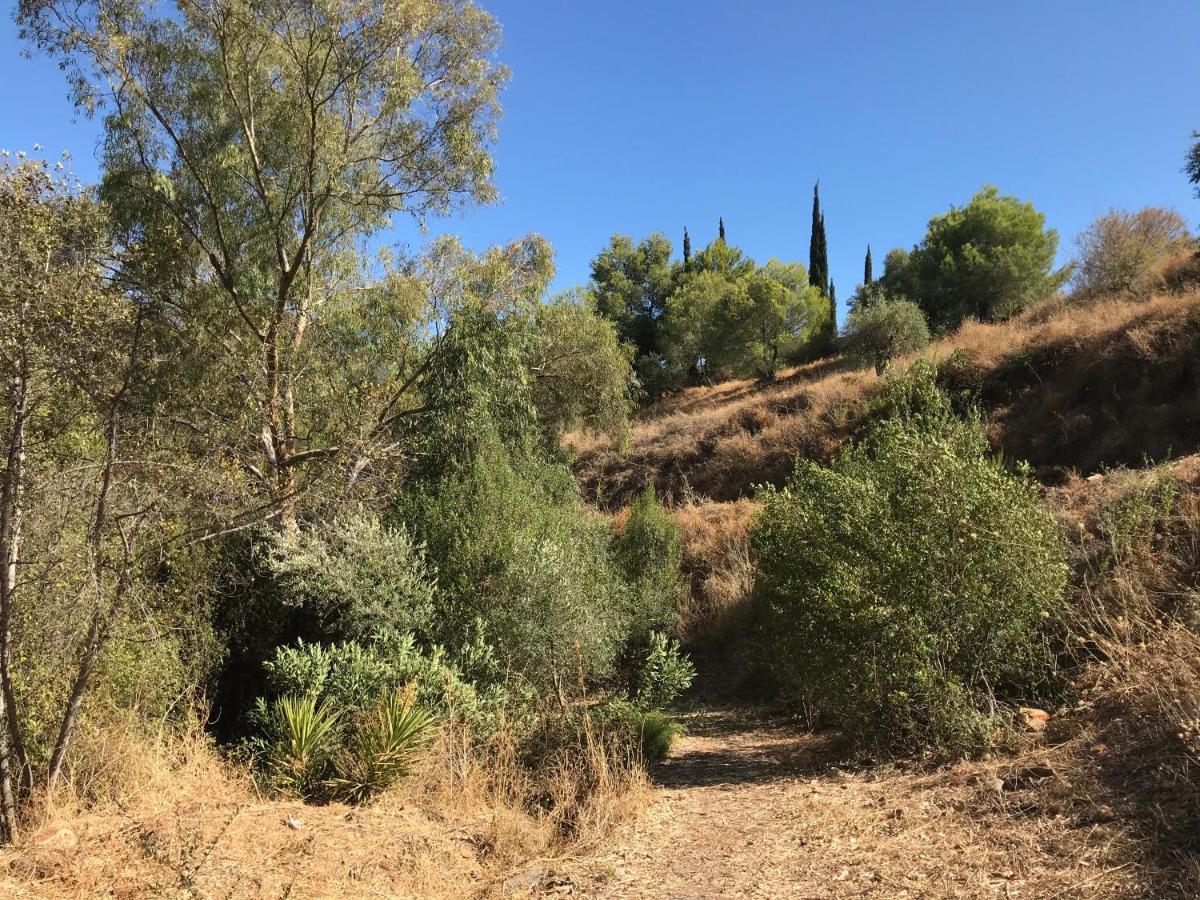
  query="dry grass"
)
[
  {"x": 180, "y": 821},
  {"x": 716, "y": 562},
  {"x": 1064, "y": 385}
]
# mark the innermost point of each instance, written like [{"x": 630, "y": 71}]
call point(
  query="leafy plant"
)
[
  {"x": 649, "y": 549},
  {"x": 905, "y": 588},
  {"x": 302, "y": 736},
  {"x": 382, "y": 749},
  {"x": 666, "y": 673}
]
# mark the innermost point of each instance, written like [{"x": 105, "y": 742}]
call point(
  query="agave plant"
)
[
  {"x": 304, "y": 732},
  {"x": 382, "y": 749}
]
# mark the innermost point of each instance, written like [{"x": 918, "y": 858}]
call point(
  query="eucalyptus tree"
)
[{"x": 261, "y": 143}]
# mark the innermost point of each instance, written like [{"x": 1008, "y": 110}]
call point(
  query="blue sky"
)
[{"x": 648, "y": 116}]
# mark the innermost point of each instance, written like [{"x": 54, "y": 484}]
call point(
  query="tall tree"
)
[
  {"x": 1192, "y": 165},
  {"x": 270, "y": 139},
  {"x": 868, "y": 273},
  {"x": 818, "y": 255},
  {"x": 832, "y": 307},
  {"x": 687, "y": 251},
  {"x": 721, "y": 229}
]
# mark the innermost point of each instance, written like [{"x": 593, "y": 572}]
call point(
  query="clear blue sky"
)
[{"x": 648, "y": 116}]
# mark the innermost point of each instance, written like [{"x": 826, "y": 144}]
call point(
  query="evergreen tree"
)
[
  {"x": 687, "y": 251},
  {"x": 721, "y": 229},
  {"x": 832, "y": 308},
  {"x": 868, "y": 278},
  {"x": 818, "y": 258}
]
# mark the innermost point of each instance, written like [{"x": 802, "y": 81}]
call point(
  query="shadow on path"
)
[{"x": 726, "y": 748}]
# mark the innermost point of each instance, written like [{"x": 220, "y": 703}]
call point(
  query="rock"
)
[
  {"x": 1035, "y": 719},
  {"x": 60, "y": 837},
  {"x": 1095, "y": 478},
  {"x": 522, "y": 881},
  {"x": 294, "y": 824}
]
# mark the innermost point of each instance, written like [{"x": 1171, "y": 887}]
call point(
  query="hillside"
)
[{"x": 1068, "y": 388}]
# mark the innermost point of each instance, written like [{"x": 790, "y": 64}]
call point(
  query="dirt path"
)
[{"x": 746, "y": 809}]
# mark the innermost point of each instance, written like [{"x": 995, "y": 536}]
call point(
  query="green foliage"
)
[
  {"x": 729, "y": 318},
  {"x": 666, "y": 674},
  {"x": 382, "y": 749},
  {"x": 1192, "y": 165},
  {"x": 517, "y": 550},
  {"x": 649, "y": 549},
  {"x": 903, "y": 588},
  {"x": 463, "y": 688},
  {"x": 355, "y": 576},
  {"x": 301, "y": 737},
  {"x": 651, "y": 731},
  {"x": 582, "y": 373},
  {"x": 631, "y": 283},
  {"x": 987, "y": 260},
  {"x": 885, "y": 328}
]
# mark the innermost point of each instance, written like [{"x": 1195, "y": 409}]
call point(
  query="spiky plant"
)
[
  {"x": 383, "y": 748},
  {"x": 304, "y": 732}
]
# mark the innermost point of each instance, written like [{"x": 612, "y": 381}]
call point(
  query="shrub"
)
[
  {"x": 652, "y": 732},
  {"x": 665, "y": 674},
  {"x": 301, "y": 733},
  {"x": 879, "y": 331},
  {"x": 353, "y": 676},
  {"x": 649, "y": 550},
  {"x": 517, "y": 550},
  {"x": 382, "y": 749},
  {"x": 354, "y": 576},
  {"x": 905, "y": 587},
  {"x": 1121, "y": 252}
]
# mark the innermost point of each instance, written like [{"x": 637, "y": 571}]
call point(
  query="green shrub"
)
[
  {"x": 903, "y": 588},
  {"x": 652, "y": 732},
  {"x": 649, "y": 550},
  {"x": 665, "y": 674},
  {"x": 382, "y": 748},
  {"x": 517, "y": 550},
  {"x": 355, "y": 576},
  {"x": 877, "y": 333},
  {"x": 301, "y": 734},
  {"x": 354, "y": 676}
]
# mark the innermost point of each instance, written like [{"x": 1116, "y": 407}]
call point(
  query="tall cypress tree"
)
[
  {"x": 818, "y": 253},
  {"x": 721, "y": 229},
  {"x": 687, "y": 251},
  {"x": 832, "y": 308},
  {"x": 868, "y": 280}
]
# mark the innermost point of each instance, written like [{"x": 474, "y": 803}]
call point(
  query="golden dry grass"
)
[
  {"x": 1064, "y": 385},
  {"x": 180, "y": 821}
]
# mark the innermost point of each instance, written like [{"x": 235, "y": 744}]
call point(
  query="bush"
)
[
  {"x": 905, "y": 587},
  {"x": 354, "y": 576},
  {"x": 649, "y": 550},
  {"x": 879, "y": 331},
  {"x": 352, "y": 676},
  {"x": 517, "y": 550},
  {"x": 313, "y": 750},
  {"x": 650, "y": 731},
  {"x": 1121, "y": 252},
  {"x": 665, "y": 674}
]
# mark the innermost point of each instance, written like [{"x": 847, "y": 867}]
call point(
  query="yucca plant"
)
[
  {"x": 382, "y": 749},
  {"x": 303, "y": 734}
]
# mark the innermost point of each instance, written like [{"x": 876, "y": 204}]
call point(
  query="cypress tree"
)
[
  {"x": 868, "y": 280},
  {"x": 721, "y": 229},
  {"x": 818, "y": 253},
  {"x": 687, "y": 251},
  {"x": 832, "y": 308}
]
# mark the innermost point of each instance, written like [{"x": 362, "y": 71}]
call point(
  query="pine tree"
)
[
  {"x": 818, "y": 253},
  {"x": 687, "y": 251},
  {"x": 721, "y": 229},
  {"x": 868, "y": 280}
]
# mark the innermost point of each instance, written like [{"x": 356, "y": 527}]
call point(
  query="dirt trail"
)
[{"x": 752, "y": 809}]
